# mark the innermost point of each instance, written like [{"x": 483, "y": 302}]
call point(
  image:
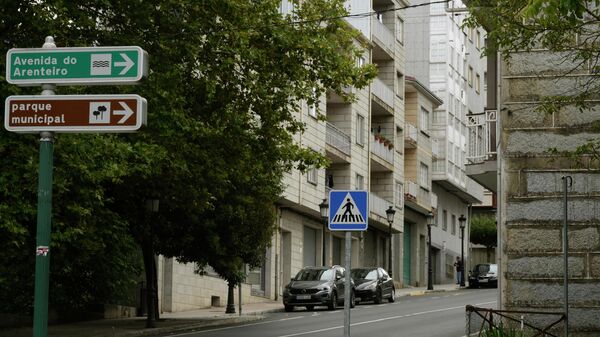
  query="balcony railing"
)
[
  {"x": 338, "y": 139},
  {"x": 385, "y": 152},
  {"x": 378, "y": 205},
  {"x": 383, "y": 34},
  {"x": 410, "y": 136},
  {"x": 383, "y": 92},
  {"x": 482, "y": 136},
  {"x": 411, "y": 190}
]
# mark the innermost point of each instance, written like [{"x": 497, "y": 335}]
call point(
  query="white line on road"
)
[
  {"x": 237, "y": 326},
  {"x": 374, "y": 321}
]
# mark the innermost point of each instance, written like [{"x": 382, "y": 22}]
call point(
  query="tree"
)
[
  {"x": 226, "y": 80},
  {"x": 570, "y": 29},
  {"x": 483, "y": 232}
]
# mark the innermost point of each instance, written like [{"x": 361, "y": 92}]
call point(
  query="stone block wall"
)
[{"x": 532, "y": 195}]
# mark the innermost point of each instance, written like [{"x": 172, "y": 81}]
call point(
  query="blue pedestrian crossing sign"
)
[{"x": 348, "y": 210}]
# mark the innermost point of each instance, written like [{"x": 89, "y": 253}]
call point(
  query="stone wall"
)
[{"x": 532, "y": 195}]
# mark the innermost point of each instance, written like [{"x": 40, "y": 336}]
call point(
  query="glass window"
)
[
  {"x": 311, "y": 176},
  {"x": 400, "y": 85},
  {"x": 424, "y": 176},
  {"x": 453, "y": 225},
  {"x": 360, "y": 182},
  {"x": 312, "y": 108},
  {"x": 399, "y": 194},
  {"x": 445, "y": 220},
  {"x": 477, "y": 79},
  {"x": 470, "y": 76},
  {"x": 400, "y": 30},
  {"x": 360, "y": 130},
  {"x": 424, "y": 120},
  {"x": 314, "y": 275}
]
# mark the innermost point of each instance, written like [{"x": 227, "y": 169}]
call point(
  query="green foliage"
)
[
  {"x": 504, "y": 330},
  {"x": 227, "y": 78},
  {"x": 483, "y": 231},
  {"x": 570, "y": 27}
]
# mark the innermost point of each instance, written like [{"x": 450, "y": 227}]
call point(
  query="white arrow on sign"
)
[
  {"x": 128, "y": 63},
  {"x": 125, "y": 113}
]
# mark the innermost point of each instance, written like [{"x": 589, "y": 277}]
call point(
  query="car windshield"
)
[
  {"x": 314, "y": 275},
  {"x": 482, "y": 268},
  {"x": 366, "y": 274}
]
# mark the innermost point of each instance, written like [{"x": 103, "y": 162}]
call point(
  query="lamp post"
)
[
  {"x": 324, "y": 209},
  {"x": 462, "y": 220},
  {"x": 390, "y": 218},
  {"x": 430, "y": 222}
]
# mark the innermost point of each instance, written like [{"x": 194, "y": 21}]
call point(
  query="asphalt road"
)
[{"x": 432, "y": 315}]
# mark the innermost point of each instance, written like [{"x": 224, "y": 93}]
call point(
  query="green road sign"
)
[{"x": 71, "y": 66}]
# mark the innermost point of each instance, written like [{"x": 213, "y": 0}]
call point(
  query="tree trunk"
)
[
  {"x": 148, "y": 253},
  {"x": 230, "y": 304}
]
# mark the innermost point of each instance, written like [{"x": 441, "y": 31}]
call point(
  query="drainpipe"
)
[{"x": 499, "y": 198}]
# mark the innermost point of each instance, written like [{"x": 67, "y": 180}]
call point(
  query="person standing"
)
[{"x": 458, "y": 265}]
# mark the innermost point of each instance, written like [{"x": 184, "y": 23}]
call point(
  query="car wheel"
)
[
  {"x": 333, "y": 304},
  {"x": 378, "y": 296},
  {"x": 392, "y": 298},
  {"x": 310, "y": 307},
  {"x": 289, "y": 308},
  {"x": 352, "y": 301}
]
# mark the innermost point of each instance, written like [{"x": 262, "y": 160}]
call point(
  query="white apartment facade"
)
[
  {"x": 352, "y": 139},
  {"x": 447, "y": 60}
]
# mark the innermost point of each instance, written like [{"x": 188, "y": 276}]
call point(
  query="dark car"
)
[
  {"x": 317, "y": 286},
  {"x": 373, "y": 284},
  {"x": 484, "y": 275}
]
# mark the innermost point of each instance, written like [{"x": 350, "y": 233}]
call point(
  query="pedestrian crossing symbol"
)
[{"x": 348, "y": 210}]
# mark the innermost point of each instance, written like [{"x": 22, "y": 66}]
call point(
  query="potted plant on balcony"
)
[
  {"x": 387, "y": 142},
  {"x": 377, "y": 137},
  {"x": 391, "y": 146}
]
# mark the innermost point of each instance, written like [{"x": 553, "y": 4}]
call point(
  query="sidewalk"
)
[{"x": 181, "y": 321}]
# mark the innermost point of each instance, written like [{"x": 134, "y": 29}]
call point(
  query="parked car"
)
[
  {"x": 485, "y": 274},
  {"x": 317, "y": 286},
  {"x": 373, "y": 284}
]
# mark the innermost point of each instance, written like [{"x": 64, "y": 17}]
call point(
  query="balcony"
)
[
  {"x": 411, "y": 191},
  {"x": 378, "y": 205},
  {"x": 384, "y": 149},
  {"x": 384, "y": 39},
  {"x": 338, "y": 139},
  {"x": 481, "y": 152},
  {"x": 434, "y": 201},
  {"x": 384, "y": 97},
  {"x": 482, "y": 137},
  {"x": 411, "y": 135}
]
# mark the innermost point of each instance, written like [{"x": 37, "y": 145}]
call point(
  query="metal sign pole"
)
[
  {"x": 44, "y": 216},
  {"x": 568, "y": 181},
  {"x": 347, "y": 285}
]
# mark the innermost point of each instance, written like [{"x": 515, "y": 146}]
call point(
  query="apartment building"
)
[
  {"x": 447, "y": 59},
  {"x": 363, "y": 140}
]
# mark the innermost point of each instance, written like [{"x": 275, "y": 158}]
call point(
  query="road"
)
[{"x": 432, "y": 315}]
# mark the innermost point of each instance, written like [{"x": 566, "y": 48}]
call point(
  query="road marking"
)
[
  {"x": 374, "y": 321},
  {"x": 235, "y": 327}
]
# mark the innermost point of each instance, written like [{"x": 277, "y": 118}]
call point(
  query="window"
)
[
  {"x": 399, "y": 195},
  {"x": 470, "y": 34},
  {"x": 311, "y": 175},
  {"x": 360, "y": 130},
  {"x": 485, "y": 80},
  {"x": 477, "y": 80},
  {"x": 453, "y": 224},
  {"x": 400, "y": 85},
  {"x": 470, "y": 76},
  {"x": 424, "y": 120},
  {"x": 379, "y": 16},
  {"x": 478, "y": 42},
  {"x": 424, "y": 176},
  {"x": 360, "y": 182},
  {"x": 312, "y": 108},
  {"x": 445, "y": 220},
  {"x": 360, "y": 61},
  {"x": 400, "y": 30}
]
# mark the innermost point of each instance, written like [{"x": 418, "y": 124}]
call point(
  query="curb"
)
[{"x": 423, "y": 292}]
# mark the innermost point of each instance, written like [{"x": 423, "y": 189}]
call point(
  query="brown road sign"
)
[{"x": 75, "y": 113}]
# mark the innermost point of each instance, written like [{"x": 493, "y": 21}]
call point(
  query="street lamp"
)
[
  {"x": 430, "y": 222},
  {"x": 462, "y": 220},
  {"x": 390, "y": 218},
  {"x": 324, "y": 209}
]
